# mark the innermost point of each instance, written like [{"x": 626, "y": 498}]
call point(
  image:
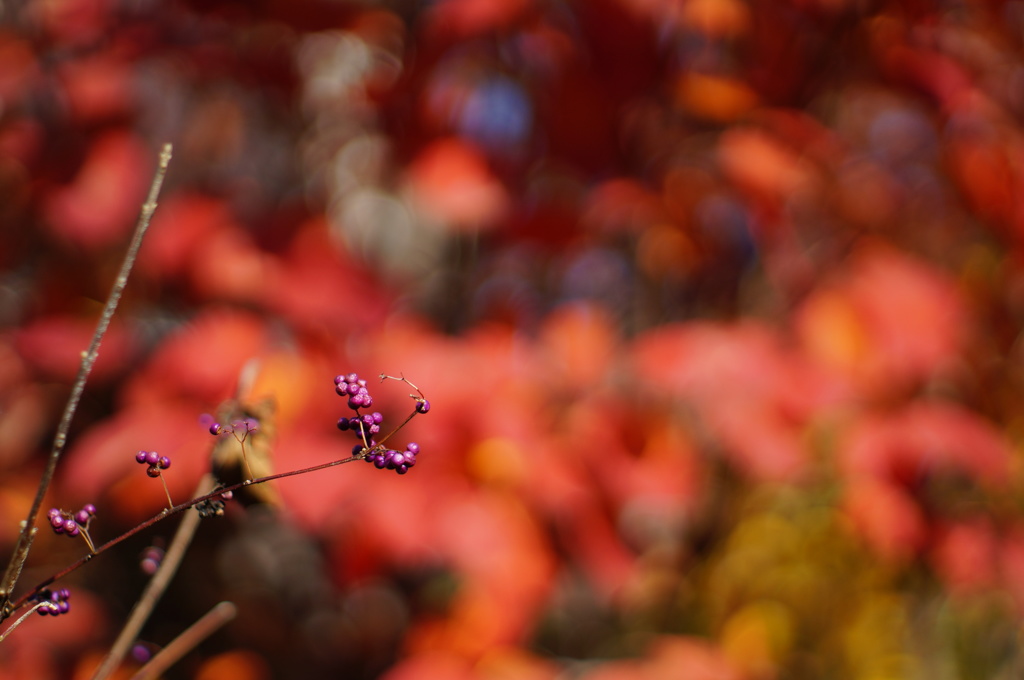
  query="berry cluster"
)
[
  {"x": 154, "y": 460},
  {"x": 54, "y": 602},
  {"x": 399, "y": 461},
  {"x": 366, "y": 426},
  {"x": 355, "y": 389},
  {"x": 157, "y": 464},
  {"x": 71, "y": 524},
  {"x": 239, "y": 428}
]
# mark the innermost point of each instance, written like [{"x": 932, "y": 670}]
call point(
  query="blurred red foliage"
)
[{"x": 717, "y": 304}]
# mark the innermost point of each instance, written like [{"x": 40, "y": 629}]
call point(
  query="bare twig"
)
[
  {"x": 28, "y": 528},
  {"x": 155, "y": 589},
  {"x": 21, "y": 619},
  {"x": 167, "y": 512},
  {"x": 184, "y": 643}
]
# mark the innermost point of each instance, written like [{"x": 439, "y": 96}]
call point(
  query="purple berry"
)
[
  {"x": 89, "y": 508},
  {"x": 151, "y": 559},
  {"x": 57, "y": 523},
  {"x": 352, "y": 378},
  {"x": 402, "y": 469},
  {"x": 412, "y": 447},
  {"x": 343, "y": 424},
  {"x": 140, "y": 457},
  {"x": 422, "y": 406},
  {"x": 152, "y": 458},
  {"x": 164, "y": 462},
  {"x": 377, "y": 417},
  {"x": 380, "y": 462},
  {"x": 215, "y": 428},
  {"x": 70, "y": 527},
  {"x": 53, "y": 512},
  {"x": 82, "y": 517}
]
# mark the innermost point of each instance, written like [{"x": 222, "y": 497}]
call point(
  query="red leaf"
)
[
  {"x": 100, "y": 206},
  {"x": 965, "y": 556},
  {"x": 202, "y": 360},
  {"x": 464, "y": 18},
  {"x": 452, "y": 184},
  {"x": 889, "y": 320},
  {"x": 53, "y": 345},
  {"x": 925, "y": 437},
  {"x": 887, "y": 518}
]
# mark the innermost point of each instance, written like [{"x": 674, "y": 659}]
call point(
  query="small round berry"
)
[
  {"x": 343, "y": 424},
  {"x": 338, "y": 379},
  {"x": 352, "y": 378},
  {"x": 402, "y": 469},
  {"x": 397, "y": 459},
  {"x": 422, "y": 406},
  {"x": 216, "y": 428},
  {"x": 153, "y": 471},
  {"x": 152, "y": 458},
  {"x": 357, "y": 449},
  {"x": 70, "y": 527},
  {"x": 151, "y": 559},
  {"x": 53, "y": 512},
  {"x": 89, "y": 508},
  {"x": 82, "y": 517},
  {"x": 164, "y": 462},
  {"x": 380, "y": 462},
  {"x": 412, "y": 447},
  {"x": 140, "y": 457},
  {"x": 57, "y": 522}
]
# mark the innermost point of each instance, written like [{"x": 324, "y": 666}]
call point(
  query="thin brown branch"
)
[
  {"x": 155, "y": 588},
  {"x": 168, "y": 512},
  {"x": 187, "y": 641},
  {"x": 28, "y": 528}
]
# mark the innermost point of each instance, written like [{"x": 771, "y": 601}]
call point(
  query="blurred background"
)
[{"x": 717, "y": 303}]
